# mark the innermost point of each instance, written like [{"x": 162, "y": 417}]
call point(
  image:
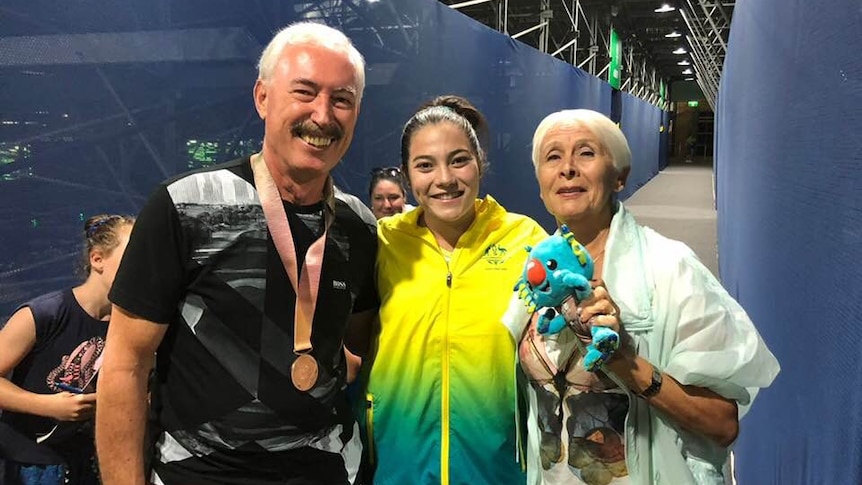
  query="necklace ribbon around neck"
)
[{"x": 306, "y": 285}]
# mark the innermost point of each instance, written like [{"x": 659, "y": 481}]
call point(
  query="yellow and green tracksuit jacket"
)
[{"x": 441, "y": 390}]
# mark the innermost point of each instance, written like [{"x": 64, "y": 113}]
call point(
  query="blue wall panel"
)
[
  {"x": 789, "y": 186},
  {"x": 641, "y": 123}
]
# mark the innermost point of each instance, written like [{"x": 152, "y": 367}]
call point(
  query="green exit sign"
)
[{"x": 693, "y": 104}]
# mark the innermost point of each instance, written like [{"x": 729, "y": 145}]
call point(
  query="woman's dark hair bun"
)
[{"x": 467, "y": 110}]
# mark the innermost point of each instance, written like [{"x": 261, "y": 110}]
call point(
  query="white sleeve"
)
[
  {"x": 516, "y": 317},
  {"x": 714, "y": 343}
]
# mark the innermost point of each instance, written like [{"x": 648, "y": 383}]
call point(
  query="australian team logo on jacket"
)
[{"x": 495, "y": 255}]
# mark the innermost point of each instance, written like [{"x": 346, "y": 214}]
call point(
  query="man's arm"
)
[
  {"x": 357, "y": 340},
  {"x": 122, "y": 397}
]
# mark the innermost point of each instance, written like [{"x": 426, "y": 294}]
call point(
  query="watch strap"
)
[{"x": 654, "y": 387}]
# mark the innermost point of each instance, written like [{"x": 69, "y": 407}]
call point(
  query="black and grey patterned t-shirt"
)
[{"x": 200, "y": 259}]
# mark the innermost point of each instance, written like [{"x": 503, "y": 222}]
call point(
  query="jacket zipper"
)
[{"x": 444, "y": 405}]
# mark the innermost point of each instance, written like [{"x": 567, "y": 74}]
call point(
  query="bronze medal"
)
[{"x": 303, "y": 372}]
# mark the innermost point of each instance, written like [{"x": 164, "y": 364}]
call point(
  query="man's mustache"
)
[{"x": 310, "y": 128}]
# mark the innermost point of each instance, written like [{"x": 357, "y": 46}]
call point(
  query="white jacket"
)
[{"x": 684, "y": 322}]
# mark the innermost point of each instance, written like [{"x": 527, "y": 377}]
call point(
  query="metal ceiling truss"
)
[
  {"x": 573, "y": 32},
  {"x": 578, "y": 32},
  {"x": 708, "y": 25}
]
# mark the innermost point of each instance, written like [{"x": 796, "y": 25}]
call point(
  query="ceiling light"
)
[
  {"x": 665, "y": 8},
  {"x": 680, "y": 50},
  {"x": 683, "y": 63},
  {"x": 689, "y": 79},
  {"x": 673, "y": 35},
  {"x": 688, "y": 71}
]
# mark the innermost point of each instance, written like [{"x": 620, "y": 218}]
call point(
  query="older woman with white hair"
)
[{"x": 666, "y": 406}]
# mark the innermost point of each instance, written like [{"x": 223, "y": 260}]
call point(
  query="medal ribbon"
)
[{"x": 309, "y": 280}]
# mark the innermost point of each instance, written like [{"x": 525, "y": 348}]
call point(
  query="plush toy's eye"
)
[{"x": 552, "y": 264}]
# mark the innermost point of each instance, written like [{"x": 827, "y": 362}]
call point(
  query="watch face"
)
[{"x": 654, "y": 386}]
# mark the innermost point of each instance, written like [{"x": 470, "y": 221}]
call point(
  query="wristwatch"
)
[{"x": 654, "y": 387}]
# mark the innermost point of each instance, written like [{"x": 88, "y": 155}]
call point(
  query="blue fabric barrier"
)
[
  {"x": 789, "y": 173},
  {"x": 640, "y": 123}
]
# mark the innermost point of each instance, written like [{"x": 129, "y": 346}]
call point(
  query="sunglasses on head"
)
[
  {"x": 94, "y": 228},
  {"x": 393, "y": 172}
]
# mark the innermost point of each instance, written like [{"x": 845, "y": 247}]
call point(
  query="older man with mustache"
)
[{"x": 219, "y": 291}]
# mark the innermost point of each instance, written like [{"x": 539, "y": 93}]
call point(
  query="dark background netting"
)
[
  {"x": 790, "y": 230},
  {"x": 100, "y": 101}
]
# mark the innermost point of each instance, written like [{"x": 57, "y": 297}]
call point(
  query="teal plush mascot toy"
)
[{"x": 559, "y": 268}]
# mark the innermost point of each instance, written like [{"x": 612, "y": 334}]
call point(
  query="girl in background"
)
[{"x": 51, "y": 353}]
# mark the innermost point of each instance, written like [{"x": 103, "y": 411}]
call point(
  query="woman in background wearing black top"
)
[{"x": 51, "y": 353}]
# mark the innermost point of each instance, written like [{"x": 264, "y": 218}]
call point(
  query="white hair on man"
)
[
  {"x": 311, "y": 33},
  {"x": 608, "y": 133}
]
